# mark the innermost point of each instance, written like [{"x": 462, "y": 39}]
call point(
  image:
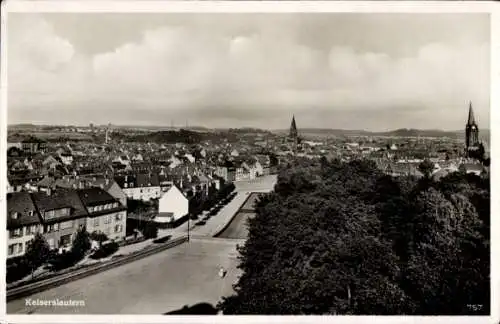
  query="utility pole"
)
[{"x": 189, "y": 225}]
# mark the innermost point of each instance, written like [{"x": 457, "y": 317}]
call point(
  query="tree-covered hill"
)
[
  {"x": 343, "y": 238},
  {"x": 180, "y": 136}
]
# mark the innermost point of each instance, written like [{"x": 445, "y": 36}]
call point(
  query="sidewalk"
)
[{"x": 213, "y": 224}]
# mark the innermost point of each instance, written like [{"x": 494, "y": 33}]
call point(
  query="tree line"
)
[{"x": 344, "y": 238}]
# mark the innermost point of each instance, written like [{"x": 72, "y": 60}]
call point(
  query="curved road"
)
[
  {"x": 167, "y": 281},
  {"x": 161, "y": 283}
]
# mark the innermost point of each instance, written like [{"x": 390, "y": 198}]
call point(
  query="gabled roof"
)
[
  {"x": 22, "y": 204},
  {"x": 58, "y": 199},
  {"x": 95, "y": 196}
]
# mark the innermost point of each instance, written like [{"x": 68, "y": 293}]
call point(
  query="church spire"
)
[
  {"x": 471, "y": 120},
  {"x": 293, "y": 128}
]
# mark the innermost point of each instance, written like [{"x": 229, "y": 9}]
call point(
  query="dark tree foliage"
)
[
  {"x": 150, "y": 230},
  {"x": 344, "y": 238},
  {"x": 37, "y": 252},
  {"x": 99, "y": 237},
  {"x": 81, "y": 244},
  {"x": 426, "y": 167}
]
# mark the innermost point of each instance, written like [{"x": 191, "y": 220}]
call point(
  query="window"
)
[
  {"x": 49, "y": 214},
  {"x": 18, "y": 232},
  {"x": 91, "y": 209},
  {"x": 31, "y": 213},
  {"x": 53, "y": 228},
  {"x": 118, "y": 217},
  {"x": 31, "y": 229},
  {"x": 14, "y": 215},
  {"x": 65, "y": 240},
  {"x": 68, "y": 224},
  {"x": 11, "y": 249},
  {"x": 118, "y": 228},
  {"x": 96, "y": 222},
  {"x": 51, "y": 243},
  {"x": 20, "y": 247},
  {"x": 107, "y": 219}
]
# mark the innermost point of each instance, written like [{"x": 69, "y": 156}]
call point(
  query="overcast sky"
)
[{"x": 335, "y": 70}]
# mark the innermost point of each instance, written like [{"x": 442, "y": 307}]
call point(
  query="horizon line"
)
[{"x": 242, "y": 127}]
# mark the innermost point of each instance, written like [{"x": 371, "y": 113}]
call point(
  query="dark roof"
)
[
  {"x": 22, "y": 203},
  {"x": 95, "y": 196},
  {"x": 472, "y": 167},
  {"x": 58, "y": 199},
  {"x": 138, "y": 180}
]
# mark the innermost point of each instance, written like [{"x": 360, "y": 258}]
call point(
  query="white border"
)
[{"x": 261, "y": 7}]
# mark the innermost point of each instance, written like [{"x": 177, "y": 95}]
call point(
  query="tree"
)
[
  {"x": 37, "y": 252},
  {"x": 150, "y": 230},
  {"x": 343, "y": 238},
  {"x": 81, "y": 244},
  {"x": 426, "y": 167},
  {"x": 99, "y": 237}
]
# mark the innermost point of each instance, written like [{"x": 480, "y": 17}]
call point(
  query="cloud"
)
[{"x": 183, "y": 68}]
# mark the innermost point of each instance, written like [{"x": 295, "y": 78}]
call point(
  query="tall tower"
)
[
  {"x": 471, "y": 131},
  {"x": 293, "y": 129},
  {"x": 294, "y": 134}
]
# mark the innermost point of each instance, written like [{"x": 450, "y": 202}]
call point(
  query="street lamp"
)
[{"x": 189, "y": 220}]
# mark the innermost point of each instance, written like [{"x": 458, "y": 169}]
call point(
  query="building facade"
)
[{"x": 105, "y": 213}]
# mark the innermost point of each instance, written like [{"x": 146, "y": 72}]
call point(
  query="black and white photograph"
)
[{"x": 248, "y": 163}]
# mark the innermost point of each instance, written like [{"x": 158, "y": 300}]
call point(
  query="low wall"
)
[
  {"x": 30, "y": 289},
  {"x": 219, "y": 231}
]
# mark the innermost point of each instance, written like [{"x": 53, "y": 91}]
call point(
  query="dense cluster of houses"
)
[{"x": 57, "y": 189}]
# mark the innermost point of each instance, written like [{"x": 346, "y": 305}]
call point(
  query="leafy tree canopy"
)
[{"x": 344, "y": 238}]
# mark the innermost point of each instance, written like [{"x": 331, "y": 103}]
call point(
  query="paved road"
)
[{"x": 184, "y": 275}]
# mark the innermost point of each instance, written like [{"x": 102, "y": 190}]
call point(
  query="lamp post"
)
[{"x": 189, "y": 220}]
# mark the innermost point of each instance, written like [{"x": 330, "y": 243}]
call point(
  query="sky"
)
[{"x": 374, "y": 72}]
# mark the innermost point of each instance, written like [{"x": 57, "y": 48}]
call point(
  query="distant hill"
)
[
  {"x": 181, "y": 136},
  {"x": 403, "y": 132}
]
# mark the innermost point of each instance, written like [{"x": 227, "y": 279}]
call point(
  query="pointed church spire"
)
[
  {"x": 293, "y": 128},
  {"x": 471, "y": 120}
]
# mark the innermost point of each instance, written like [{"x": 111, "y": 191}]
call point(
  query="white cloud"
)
[{"x": 183, "y": 67}]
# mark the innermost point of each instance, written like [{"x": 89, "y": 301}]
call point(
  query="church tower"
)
[
  {"x": 294, "y": 134},
  {"x": 471, "y": 131},
  {"x": 293, "y": 129}
]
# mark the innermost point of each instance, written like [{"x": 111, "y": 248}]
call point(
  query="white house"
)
[
  {"x": 190, "y": 158},
  {"x": 172, "y": 206},
  {"x": 140, "y": 186}
]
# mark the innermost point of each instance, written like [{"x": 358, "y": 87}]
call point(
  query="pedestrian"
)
[{"x": 222, "y": 272}]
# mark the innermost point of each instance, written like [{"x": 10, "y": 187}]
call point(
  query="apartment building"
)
[
  {"x": 23, "y": 221},
  {"x": 58, "y": 214},
  {"x": 105, "y": 213}
]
